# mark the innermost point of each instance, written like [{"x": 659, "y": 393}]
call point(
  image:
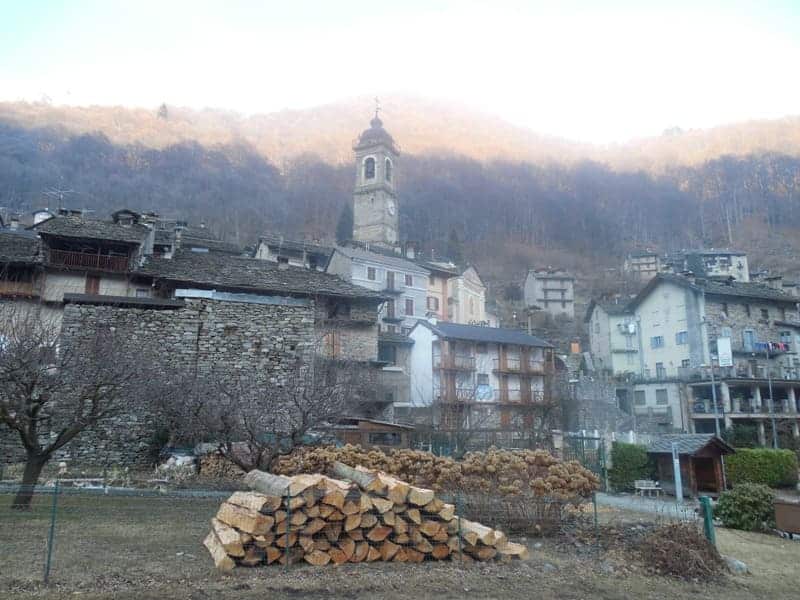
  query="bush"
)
[
  {"x": 741, "y": 435},
  {"x": 774, "y": 468},
  {"x": 747, "y": 506},
  {"x": 629, "y": 463}
]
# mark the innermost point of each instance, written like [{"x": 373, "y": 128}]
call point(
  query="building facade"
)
[{"x": 551, "y": 290}]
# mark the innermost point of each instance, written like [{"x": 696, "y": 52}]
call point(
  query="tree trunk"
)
[{"x": 30, "y": 477}]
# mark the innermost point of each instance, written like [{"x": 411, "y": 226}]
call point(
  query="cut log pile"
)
[{"x": 361, "y": 516}]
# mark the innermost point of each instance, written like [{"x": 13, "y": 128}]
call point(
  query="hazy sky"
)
[{"x": 587, "y": 70}]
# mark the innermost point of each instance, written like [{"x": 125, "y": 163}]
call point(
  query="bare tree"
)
[
  {"x": 53, "y": 389},
  {"x": 252, "y": 415}
]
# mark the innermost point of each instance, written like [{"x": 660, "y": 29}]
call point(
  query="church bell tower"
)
[{"x": 375, "y": 218}]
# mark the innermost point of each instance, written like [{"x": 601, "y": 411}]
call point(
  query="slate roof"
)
[
  {"x": 492, "y": 335},
  {"x": 223, "y": 271},
  {"x": 275, "y": 240},
  {"x": 611, "y": 308},
  {"x": 196, "y": 237},
  {"x": 92, "y": 229},
  {"x": 394, "y": 338},
  {"x": 735, "y": 289},
  {"x": 397, "y": 262},
  {"x": 19, "y": 247},
  {"x": 688, "y": 443}
]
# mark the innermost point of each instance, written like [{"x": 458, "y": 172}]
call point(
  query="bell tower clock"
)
[{"x": 375, "y": 218}]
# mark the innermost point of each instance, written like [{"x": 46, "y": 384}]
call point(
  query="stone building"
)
[
  {"x": 298, "y": 253},
  {"x": 642, "y": 265},
  {"x": 551, "y": 290}
]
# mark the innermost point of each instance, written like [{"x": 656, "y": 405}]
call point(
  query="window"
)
[
  {"x": 747, "y": 309},
  {"x": 748, "y": 340},
  {"x": 142, "y": 293},
  {"x": 409, "y": 280},
  {"x": 481, "y": 349},
  {"x": 639, "y": 398},
  {"x": 283, "y": 260},
  {"x": 765, "y": 314},
  {"x": 387, "y": 353},
  {"x": 371, "y": 273},
  {"x": 661, "y": 372},
  {"x": 483, "y": 379},
  {"x": 662, "y": 398},
  {"x": 388, "y": 170},
  {"x": 726, "y": 332},
  {"x": 409, "y": 307},
  {"x": 685, "y": 363},
  {"x": 682, "y": 338},
  {"x": 433, "y": 303},
  {"x": 657, "y": 341},
  {"x": 725, "y": 308},
  {"x": 369, "y": 168}
]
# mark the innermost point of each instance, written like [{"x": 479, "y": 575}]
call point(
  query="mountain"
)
[{"x": 516, "y": 199}]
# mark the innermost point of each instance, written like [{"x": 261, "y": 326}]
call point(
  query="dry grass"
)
[{"x": 142, "y": 548}]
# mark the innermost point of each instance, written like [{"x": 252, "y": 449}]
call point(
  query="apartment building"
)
[
  {"x": 642, "y": 265},
  {"x": 551, "y": 290}
]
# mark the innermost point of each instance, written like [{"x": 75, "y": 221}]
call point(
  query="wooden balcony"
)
[
  {"x": 457, "y": 395},
  {"x": 519, "y": 366},
  {"x": 9, "y": 288},
  {"x": 454, "y": 362},
  {"x": 85, "y": 260}
]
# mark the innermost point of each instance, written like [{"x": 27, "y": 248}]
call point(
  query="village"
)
[{"x": 207, "y": 360}]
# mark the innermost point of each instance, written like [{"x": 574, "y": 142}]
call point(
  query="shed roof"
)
[
  {"x": 224, "y": 271},
  {"x": 689, "y": 444}
]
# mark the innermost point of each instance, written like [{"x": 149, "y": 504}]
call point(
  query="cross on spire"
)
[{"x": 377, "y": 106}]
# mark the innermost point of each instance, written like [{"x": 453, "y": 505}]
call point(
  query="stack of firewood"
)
[{"x": 363, "y": 516}]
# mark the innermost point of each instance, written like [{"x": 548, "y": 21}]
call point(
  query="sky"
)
[{"x": 586, "y": 70}]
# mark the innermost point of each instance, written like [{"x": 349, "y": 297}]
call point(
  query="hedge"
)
[
  {"x": 748, "y": 506},
  {"x": 629, "y": 463},
  {"x": 775, "y": 468}
]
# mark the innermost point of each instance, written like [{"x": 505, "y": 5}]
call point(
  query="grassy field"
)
[{"x": 141, "y": 548}]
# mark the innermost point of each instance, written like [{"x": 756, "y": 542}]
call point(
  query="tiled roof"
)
[
  {"x": 92, "y": 229},
  {"x": 20, "y": 247},
  {"x": 492, "y": 335},
  {"x": 397, "y": 262},
  {"x": 222, "y": 271},
  {"x": 688, "y": 443}
]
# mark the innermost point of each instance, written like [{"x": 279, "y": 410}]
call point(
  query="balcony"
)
[
  {"x": 454, "y": 362},
  {"x": 457, "y": 395},
  {"x": 394, "y": 287},
  {"x": 18, "y": 288},
  {"x": 516, "y": 365},
  {"x": 82, "y": 260},
  {"x": 519, "y": 396}
]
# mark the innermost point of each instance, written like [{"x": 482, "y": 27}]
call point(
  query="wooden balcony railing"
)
[
  {"x": 454, "y": 395},
  {"x": 456, "y": 362},
  {"x": 516, "y": 365},
  {"x": 83, "y": 260}
]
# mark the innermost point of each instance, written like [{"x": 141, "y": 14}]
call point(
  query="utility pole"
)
[
  {"x": 676, "y": 469},
  {"x": 714, "y": 399}
]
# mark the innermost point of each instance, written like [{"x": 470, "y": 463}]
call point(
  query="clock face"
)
[{"x": 390, "y": 207}]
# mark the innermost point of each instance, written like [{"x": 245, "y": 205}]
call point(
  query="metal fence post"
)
[
  {"x": 708, "y": 519},
  {"x": 51, "y": 534},
  {"x": 288, "y": 525}
]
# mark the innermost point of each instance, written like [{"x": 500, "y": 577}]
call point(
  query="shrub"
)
[
  {"x": 629, "y": 462},
  {"x": 747, "y": 506},
  {"x": 741, "y": 435},
  {"x": 775, "y": 468}
]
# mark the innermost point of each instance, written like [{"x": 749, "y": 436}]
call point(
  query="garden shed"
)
[{"x": 701, "y": 460}]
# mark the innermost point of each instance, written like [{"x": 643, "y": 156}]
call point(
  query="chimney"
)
[
  {"x": 411, "y": 250},
  {"x": 13, "y": 222}
]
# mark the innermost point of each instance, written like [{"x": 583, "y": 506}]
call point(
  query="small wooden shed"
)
[
  {"x": 372, "y": 432},
  {"x": 701, "y": 462}
]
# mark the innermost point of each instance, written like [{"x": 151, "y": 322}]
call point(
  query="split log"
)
[
  {"x": 388, "y": 550},
  {"x": 273, "y": 554},
  {"x": 295, "y": 556},
  {"x": 500, "y": 539},
  {"x": 514, "y": 551},
  {"x": 301, "y": 483},
  {"x": 440, "y": 551},
  {"x": 334, "y": 498},
  {"x": 244, "y": 519},
  {"x": 400, "y": 526},
  {"x": 382, "y": 505},
  {"x": 442, "y": 536},
  {"x": 360, "y": 554},
  {"x": 313, "y": 511},
  {"x": 414, "y": 515},
  {"x": 230, "y": 539},
  {"x": 258, "y": 502},
  {"x": 434, "y": 506},
  {"x": 414, "y": 556},
  {"x": 282, "y": 541},
  {"x": 296, "y": 503},
  {"x": 396, "y": 490},
  {"x": 351, "y": 507},
  {"x": 333, "y": 531},
  {"x": 246, "y": 538},
  {"x": 264, "y": 541},
  {"x": 421, "y": 496},
  {"x": 325, "y": 510},
  {"x": 253, "y": 557},
  {"x": 473, "y": 533},
  {"x": 400, "y": 556},
  {"x": 298, "y": 518},
  {"x": 322, "y": 544},
  {"x": 368, "y": 520},
  {"x": 389, "y": 518},
  {"x": 366, "y": 503},
  {"x": 402, "y": 539},
  {"x": 347, "y": 546},
  {"x": 336, "y": 516},
  {"x": 314, "y": 526},
  {"x": 373, "y": 554},
  {"x": 310, "y": 497},
  {"x": 222, "y": 561},
  {"x": 318, "y": 558},
  {"x": 366, "y": 480},
  {"x": 430, "y": 528},
  {"x": 306, "y": 542},
  {"x": 415, "y": 535},
  {"x": 379, "y": 533},
  {"x": 447, "y": 512},
  {"x": 423, "y": 546},
  {"x": 480, "y": 551},
  {"x": 267, "y": 483},
  {"x": 352, "y": 521},
  {"x": 337, "y": 556},
  {"x": 356, "y": 534}
]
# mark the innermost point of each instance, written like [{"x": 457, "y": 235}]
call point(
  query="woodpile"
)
[{"x": 360, "y": 516}]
